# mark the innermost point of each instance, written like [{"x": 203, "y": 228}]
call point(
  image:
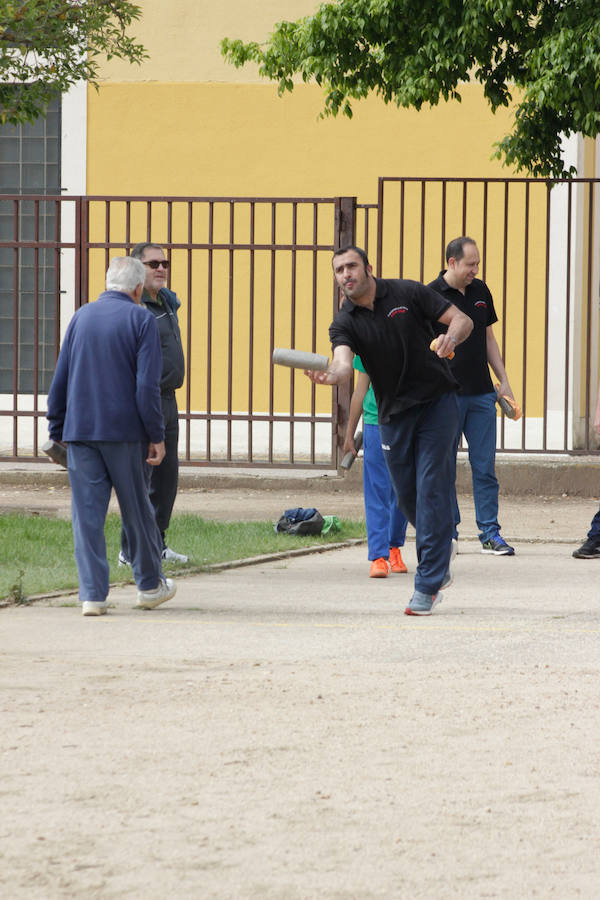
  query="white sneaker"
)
[
  {"x": 149, "y": 599},
  {"x": 171, "y": 556},
  {"x": 94, "y": 607},
  {"x": 123, "y": 561},
  {"x": 454, "y": 550}
]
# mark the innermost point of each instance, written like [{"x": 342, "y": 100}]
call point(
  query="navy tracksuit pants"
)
[
  {"x": 418, "y": 446},
  {"x": 95, "y": 467}
]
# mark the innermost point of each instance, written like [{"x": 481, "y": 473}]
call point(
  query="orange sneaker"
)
[
  {"x": 396, "y": 561},
  {"x": 379, "y": 568}
]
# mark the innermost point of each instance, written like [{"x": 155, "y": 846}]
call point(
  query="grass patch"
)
[{"x": 36, "y": 554}]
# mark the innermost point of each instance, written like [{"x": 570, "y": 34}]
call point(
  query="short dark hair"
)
[
  {"x": 139, "y": 249},
  {"x": 358, "y": 250},
  {"x": 456, "y": 248}
]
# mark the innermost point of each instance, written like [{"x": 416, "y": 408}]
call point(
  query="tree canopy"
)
[
  {"x": 46, "y": 46},
  {"x": 541, "y": 55}
]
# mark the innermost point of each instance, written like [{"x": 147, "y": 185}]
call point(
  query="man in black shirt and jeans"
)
[
  {"x": 476, "y": 396},
  {"x": 389, "y": 324},
  {"x": 163, "y": 305}
]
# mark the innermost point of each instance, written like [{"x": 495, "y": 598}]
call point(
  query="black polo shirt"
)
[
  {"x": 393, "y": 340},
  {"x": 470, "y": 363}
]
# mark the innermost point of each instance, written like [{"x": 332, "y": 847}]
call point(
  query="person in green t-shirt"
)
[{"x": 386, "y": 525}]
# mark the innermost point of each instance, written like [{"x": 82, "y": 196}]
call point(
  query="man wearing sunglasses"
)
[{"x": 163, "y": 305}]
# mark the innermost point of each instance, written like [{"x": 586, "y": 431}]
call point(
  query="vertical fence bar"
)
[
  {"x": 484, "y": 231},
  {"x": 230, "y": 334},
  {"x": 504, "y": 297},
  {"x": 252, "y": 275},
  {"x": 443, "y": 228},
  {"x": 107, "y": 211},
  {"x": 588, "y": 343},
  {"x": 422, "y": 236},
  {"x": 209, "y": 321},
  {"x": 525, "y": 310},
  {"x": 546, "y": 319},
  {"x": 345, "y": 233},
  {"x": 272, "y": 333},
  {"x": 568, "y": 317},
  {"x": 15, "y": 379},
  {"x": 291, "y": 454},
  {"x": 83, "y": 239},
  {"x": 36, "y": 319}
]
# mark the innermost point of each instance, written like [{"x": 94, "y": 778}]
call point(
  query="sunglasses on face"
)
[{"x": 155, "y": 263}]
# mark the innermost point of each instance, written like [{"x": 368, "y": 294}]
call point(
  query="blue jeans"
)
[
  {"x": 95, "y": 467},
  {"x": 386, "y": 525},
  {"x": 477, "y": 421},
  {"x": 418, "y": 447}
]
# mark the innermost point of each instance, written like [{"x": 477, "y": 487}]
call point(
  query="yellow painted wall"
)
[
  {"x": 199, "y": 139},
  {"x": 185, "y": 123},
  {"x": 182, "y": 37}
]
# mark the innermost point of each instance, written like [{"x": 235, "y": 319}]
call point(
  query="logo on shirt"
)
[
  {"x": 397, "y": 311},
  {"x": 480, "y": 304}
]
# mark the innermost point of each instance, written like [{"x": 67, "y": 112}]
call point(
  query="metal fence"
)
[
  {"x": 255, "y": 273},
  {"x": 252, "y": 274},
  {"x": 539, "y": 243}
]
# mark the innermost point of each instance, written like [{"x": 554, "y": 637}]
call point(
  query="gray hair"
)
[
  {"x": 124, "y": 274},
  {"x": 139, "y": 249}
]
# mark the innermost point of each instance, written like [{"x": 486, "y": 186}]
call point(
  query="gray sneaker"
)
[
  {"x": 150, "y": 599},
  {"x": 422, "y": 604},
  {"x": 171, "y": 556},
  {"x": 94, "y": 607}
]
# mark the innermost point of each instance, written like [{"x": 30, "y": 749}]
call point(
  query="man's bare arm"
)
[{"x": 460, "y": 327}]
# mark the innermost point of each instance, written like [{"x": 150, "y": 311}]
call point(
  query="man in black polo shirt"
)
[
  {"x": 476, "y": 396},
  {"x": 389, "y": 324}
]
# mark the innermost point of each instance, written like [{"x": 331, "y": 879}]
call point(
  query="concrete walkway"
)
[{"x": 283, "y": 731}]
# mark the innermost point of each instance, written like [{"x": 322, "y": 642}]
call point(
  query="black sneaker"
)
[
  {"x": 498, "y": 546},
  {"x": 590, "y": 549}
]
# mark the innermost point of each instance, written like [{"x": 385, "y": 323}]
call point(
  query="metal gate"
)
[
  {"x": 255, "y": 273},
  {"x": 540, "y": 249},
  {"x": 252, "y": 274}
]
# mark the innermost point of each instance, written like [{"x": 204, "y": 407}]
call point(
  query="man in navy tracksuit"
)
[
  {"x": 104, "y": 403},
  {"x": 163, "y": 305}
]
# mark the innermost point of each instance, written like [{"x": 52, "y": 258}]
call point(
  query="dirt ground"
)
[{"x": 283, "y": 732}]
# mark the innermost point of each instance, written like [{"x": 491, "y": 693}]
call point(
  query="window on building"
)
[{"x": 29, "y": 164}]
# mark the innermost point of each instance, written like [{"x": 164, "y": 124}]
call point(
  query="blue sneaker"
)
[
  {"x": 498, "y": 546},
  {"x": 422, "y": 604}
]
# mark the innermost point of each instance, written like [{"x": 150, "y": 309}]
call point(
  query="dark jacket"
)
[{"x": 173, "y": 362}]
